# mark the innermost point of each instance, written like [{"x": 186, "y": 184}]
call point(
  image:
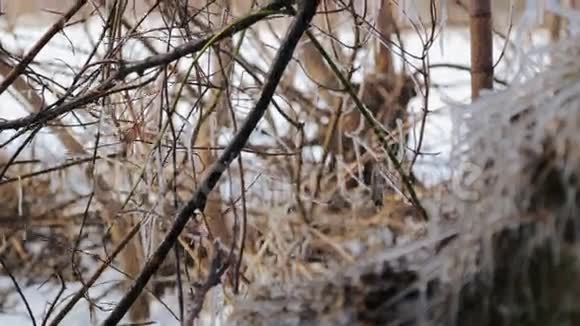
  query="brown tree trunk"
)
[{"x": 480, "y": 28}]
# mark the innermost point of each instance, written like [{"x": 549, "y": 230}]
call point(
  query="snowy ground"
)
[{"x": 453, "y": 88}]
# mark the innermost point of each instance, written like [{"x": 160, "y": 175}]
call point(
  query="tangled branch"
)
[{"x": 199, "y": 198}]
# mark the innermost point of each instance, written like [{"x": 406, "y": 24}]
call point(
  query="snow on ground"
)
[{"x": 40, "y": 297}]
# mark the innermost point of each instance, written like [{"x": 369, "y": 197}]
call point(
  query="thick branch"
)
[{"x": 198, "y": 200}]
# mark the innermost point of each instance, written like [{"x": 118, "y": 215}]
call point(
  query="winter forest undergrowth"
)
[{"x": 289, "y": 162}]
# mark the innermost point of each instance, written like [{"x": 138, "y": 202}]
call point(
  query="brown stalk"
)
[{"x": 480, "y": 28}]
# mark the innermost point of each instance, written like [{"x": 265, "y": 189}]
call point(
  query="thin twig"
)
[
  {"x": 55, "y": 28},
  {"x": 55, "y": 301},
  {"x": 81, "y": 292},
  {"x": 19, "y": 290}
]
